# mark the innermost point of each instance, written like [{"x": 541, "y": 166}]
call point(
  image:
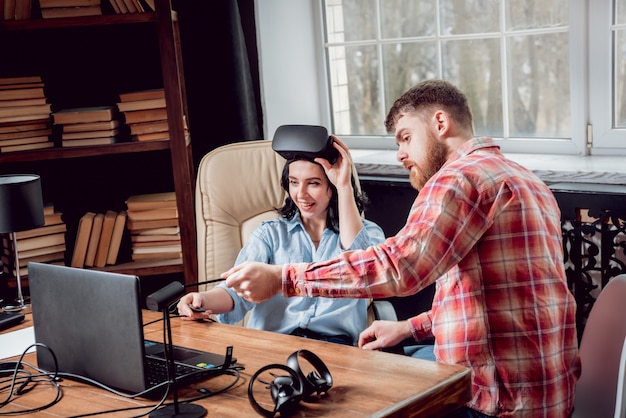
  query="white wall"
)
[{"x": 291, "y": 68}]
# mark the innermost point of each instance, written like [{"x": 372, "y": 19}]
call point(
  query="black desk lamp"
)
[{"x": 21, "y": 208}]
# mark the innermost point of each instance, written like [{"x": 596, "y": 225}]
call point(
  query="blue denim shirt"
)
[{"x": 281, "y": 241}]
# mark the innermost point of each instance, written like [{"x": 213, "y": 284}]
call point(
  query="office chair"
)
[{"x": 600, "y": 389}]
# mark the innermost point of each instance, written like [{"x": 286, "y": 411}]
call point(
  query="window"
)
[{"x": 542, "y": 76}]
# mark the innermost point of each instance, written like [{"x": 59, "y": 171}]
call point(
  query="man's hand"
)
[
  {"x": 384, "y": 334},
  {"x": 193, "y": 299},
  {"x": 254, "y": 281}
]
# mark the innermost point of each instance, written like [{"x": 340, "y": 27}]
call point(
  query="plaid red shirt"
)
[{"x": 488, "y": 232}]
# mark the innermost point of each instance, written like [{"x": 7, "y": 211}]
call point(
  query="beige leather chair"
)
[{"x": 238, "y": 186}]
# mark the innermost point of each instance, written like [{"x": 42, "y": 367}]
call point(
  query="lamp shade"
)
[{"x": 21, "y": 202}]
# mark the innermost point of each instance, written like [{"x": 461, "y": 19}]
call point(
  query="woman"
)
[{"x": 321, "y": 217}]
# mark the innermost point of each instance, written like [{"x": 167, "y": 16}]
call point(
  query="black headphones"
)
[{"x": 287, "y": 391}]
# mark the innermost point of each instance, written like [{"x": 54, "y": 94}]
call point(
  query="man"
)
[{"x": 488, "y": 232}]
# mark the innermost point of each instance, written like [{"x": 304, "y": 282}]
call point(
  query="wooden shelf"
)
[
  {"x": 79, "y": 152},
  {"x": 76, "y": 22}
]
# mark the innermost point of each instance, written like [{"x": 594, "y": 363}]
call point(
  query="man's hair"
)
[
  {"x": 430, "y": 94},
  {"x": 289, "y": 209}
]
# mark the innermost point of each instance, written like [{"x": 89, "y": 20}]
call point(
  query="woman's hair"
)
[{"x": 289, "y": 209}]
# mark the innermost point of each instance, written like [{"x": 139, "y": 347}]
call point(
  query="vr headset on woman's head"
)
[{"x": 307, "y": 141}]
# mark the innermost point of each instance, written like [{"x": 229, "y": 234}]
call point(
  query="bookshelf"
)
[{"x": 152, "y": 59}]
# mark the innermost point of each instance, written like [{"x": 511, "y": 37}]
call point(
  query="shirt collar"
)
[{"x": 474, "y": 144}]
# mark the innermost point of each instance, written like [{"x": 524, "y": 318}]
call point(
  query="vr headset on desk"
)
[{"x": 308, "y": 141}]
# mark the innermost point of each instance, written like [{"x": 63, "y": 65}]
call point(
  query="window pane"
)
[
  {"x": 618, "y": 83},
  {"x": 620, "y": 12},
  {"x": 532, "y": 14},
  {"x": 406, "y": 65},
  {"x": 469, "y": 16},
  {"x": 474, "y": 66},
  {"x": 408, "y": 18},
  {"x": 539, "y": 86},
  {"x": 355, "y": 90},
  {"x": 350, "y": 20}
]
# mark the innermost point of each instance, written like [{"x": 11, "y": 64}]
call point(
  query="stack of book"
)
[
  {"x": 87, "y": 126},
  {"x": 15, "y": 9},
  {"x": 145, "y": 114},
  {"x": 98, "y": 239},
  {"x": 45, "y": 244},
  {"x": 153, "y": 226},
  {"x": 132, "y": 6},
  {"x": 69, "y": 8},
  {"x": 24, "y": 114}
]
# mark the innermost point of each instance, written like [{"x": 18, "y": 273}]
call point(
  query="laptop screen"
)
[{"x": 92, "y": 322}]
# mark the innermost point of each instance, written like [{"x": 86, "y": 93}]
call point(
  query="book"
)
[
  {"x": 116, "y": 237},
  {"x": 157, "y": 256},
  {"x": 122, "y": 6},
  {"x": 87, "y": 142},
  {"x": 21, "y": 93},
  {"x": 42, "y": 230},
  {"x": 115, "y": 7},
  {"x": 149, "y": 127},
  {"x": 154, "y": 244},
  {"x": 155, "y": 223},
  {"x": 20, "y": 80},
  {"x": 105, "y": 238},
  {"x": 25, "y": 110},
  {"x": 82, "y": 239},
  {"x": 94, "y": 239},
  {"x": 46, "y": 4},
  {"x": 158, "y": 249},
  {"x": 151, "y": 201},
  {"x": 40, "y": 241},
  {"x": 146, "y": 115},
  {"x": 130, "y": 5},
  {"x": 10, "y": 128},
  {"x": 21, "y": 141},
  {"x": 84, "y": 114},
  {"x": 43, "y": 258},
  {"x": 23, "y": 102},
  {"x": 9, "y": 9},
  {"x": 25, "y": 134},
  {"x": 26, "y": 147},
  {"x": 71, "y": 11},
  {"x": 142, "y": 95},
  {"x": 150, "y": 214},
  {"x": 25, "y": 118},
  {"x": 91, "y": 126},
  {"x": 167, "y": 230},
  {"x": 141, "y": 104},
  {"x": 89, "y": 134},
  {"x": 154, "y": 136},
  {"x": 53, "y": 218},
  {"x": 37, "y": 251},
  {"x": 23, "y": 9},
  {"x": 154, "y": 238}
]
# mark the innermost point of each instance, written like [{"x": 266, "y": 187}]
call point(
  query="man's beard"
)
[{"x": 436, "y": 156}]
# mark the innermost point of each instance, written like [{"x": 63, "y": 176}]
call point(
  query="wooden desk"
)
[{"x": 365, "y": 383}]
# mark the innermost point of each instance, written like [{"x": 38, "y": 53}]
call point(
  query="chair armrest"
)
[{"x": 384, "y": 310}]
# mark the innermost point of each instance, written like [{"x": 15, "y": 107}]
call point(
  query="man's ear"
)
[{"x": 442, "y": 123}]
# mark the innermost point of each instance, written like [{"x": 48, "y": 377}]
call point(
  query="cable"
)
[
  {"x": 206, "y": 394},
  {"x": 28, "y": 379}
]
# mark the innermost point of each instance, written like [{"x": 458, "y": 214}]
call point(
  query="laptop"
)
[{"x": 91, "y": 320}]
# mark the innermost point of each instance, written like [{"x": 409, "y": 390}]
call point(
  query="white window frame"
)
[{"x": 294, "y": 79}]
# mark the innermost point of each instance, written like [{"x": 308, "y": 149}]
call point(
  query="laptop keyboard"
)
[
  {"x": 8, "y": 319},
  {"x": 156, "y": 371}
]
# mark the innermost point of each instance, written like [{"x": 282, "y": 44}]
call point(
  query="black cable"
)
[
  {"x": 28, "y": 379},
  {"x": 232, "y": 372}
]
